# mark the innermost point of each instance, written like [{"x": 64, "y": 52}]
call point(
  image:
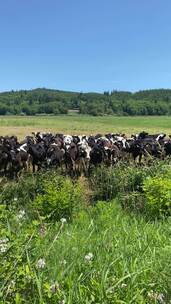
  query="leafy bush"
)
[
  {"x": 151, "y": 192},
  {"x": 144, "y": 189},
  {"x": 22, "y": 192},
  {"x": 60, "y": 198},
  {"x": 107, "y": 183},
  {"x": 158, "y": 195},
  {"x": 133, "y": 201},
  {"x": 50, "y": 194}
]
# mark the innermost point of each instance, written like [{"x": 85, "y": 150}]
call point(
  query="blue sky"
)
[{"x": 85, "y": 45}]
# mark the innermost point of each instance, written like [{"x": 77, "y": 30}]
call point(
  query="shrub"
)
[
  {"x": 24, "y": 191},
  {"x": 51, "y": 195},
  {"x": 107, "y": 183},
  {"x": 133, "y": 201},
  {"x": 158, "y": 195},
  {"x": 60, "y": 198},
  {"x": 147, "y": 190}
]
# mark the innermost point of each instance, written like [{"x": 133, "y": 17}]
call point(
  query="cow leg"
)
[
  {"x": 38, "y": 167},
  {"x": 25, "y": 166},
  {"x": 78, "y": 165},
  {"x": 140, "y": 158},
  {"x": 5, "y": 168},
  {"x": 87, "y": 164},
  {"x": 84, "y": 166},
  {"x": 73, "y": 168},
  {"x": 33, "y": 165}
]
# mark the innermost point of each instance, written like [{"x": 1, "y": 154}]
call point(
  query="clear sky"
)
[{"x": 85, "y": 45}]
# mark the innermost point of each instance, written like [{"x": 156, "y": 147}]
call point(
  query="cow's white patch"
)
[{"x": 22, "y": 148}]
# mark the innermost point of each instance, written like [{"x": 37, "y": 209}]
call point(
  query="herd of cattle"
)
[{"x": 78, "y": 153}]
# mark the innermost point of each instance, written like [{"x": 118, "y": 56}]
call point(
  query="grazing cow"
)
[
  {"x": 70, "y": 157},
  {"x": 136, "y": 149},
  {"x": 96, "y": 155},
  {"x": 167, "y": 147},
  {"x": 55, "y": 156},
  {"x": 79, "y": 153},
  {"x": 38, "y": 155},
  {"x": 4, "y": 159},
  {"x": 83, "y": 155}
]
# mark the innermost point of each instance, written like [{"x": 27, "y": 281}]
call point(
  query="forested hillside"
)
[{"x": 46, "y": 101}]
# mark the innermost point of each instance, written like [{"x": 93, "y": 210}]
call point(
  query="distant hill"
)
[{"x": 47, "y": 101}]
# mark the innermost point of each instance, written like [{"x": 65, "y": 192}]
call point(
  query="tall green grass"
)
[
  {"x": 103, "y": 256},
  {"x": 84, "y": 124},
  {"x": 84, "y": 253}
]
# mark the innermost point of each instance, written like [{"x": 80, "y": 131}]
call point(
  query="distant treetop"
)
[{"x": 50, "y": 101}]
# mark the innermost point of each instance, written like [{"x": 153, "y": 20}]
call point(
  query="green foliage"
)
[
  {"x": 144, "y": 189},
  {"x": 45, "y": 101},
  {"x": 120, "y": 179},
  {"x": 39, "y": 101},
  {"x": 23, "y": 192},
  {"x": 47, "y": 193},
  {"x": 103, "y": 256},
  {"x": 158, "y": 195},
  {"x": 104, "y": 183},
  {"x": 133, "y": 201},
  {"x": 61, "y": 198}
]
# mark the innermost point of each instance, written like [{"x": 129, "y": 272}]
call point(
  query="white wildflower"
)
[
  {"x": 12, "y": 283},
  {"x": 111, "y": 290},
  {"x": 21, "y": 214},
  {"x": 28, "y": 277},
  {"x": 63, "y": 262},
  {"x": 11, "y": 287},
  {"x": 151, "y": 295},
  {"x": 3, "y": 245},
  {"x": 42, "y": 230},
  {"x": 89, "y": 257},
  {"x": 156, "y": 296},
  {"x": 54, "y": 287},
  {"x": 74, "y": 248},
  {"x": 15, "y": 199},
  {"x": 41, "y": 263},
  {"x": 3, "y": 248},
  {"x": 123, "y": 285},
  {"x": 4, "y": 240},
  {"x": 160, "y": 298},
  {"x": 63, "y": 220}
]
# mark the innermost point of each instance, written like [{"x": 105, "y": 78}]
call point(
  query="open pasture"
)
[{"x": 83, "y": 124}]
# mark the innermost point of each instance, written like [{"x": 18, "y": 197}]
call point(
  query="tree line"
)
[{"x": 54, "y": 102}]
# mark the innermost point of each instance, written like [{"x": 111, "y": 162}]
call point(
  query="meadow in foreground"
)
[
  {"x": 83, "y": 124},
  {"x": 60, "y": 243},
  {"x": 104, "y": 256}
]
